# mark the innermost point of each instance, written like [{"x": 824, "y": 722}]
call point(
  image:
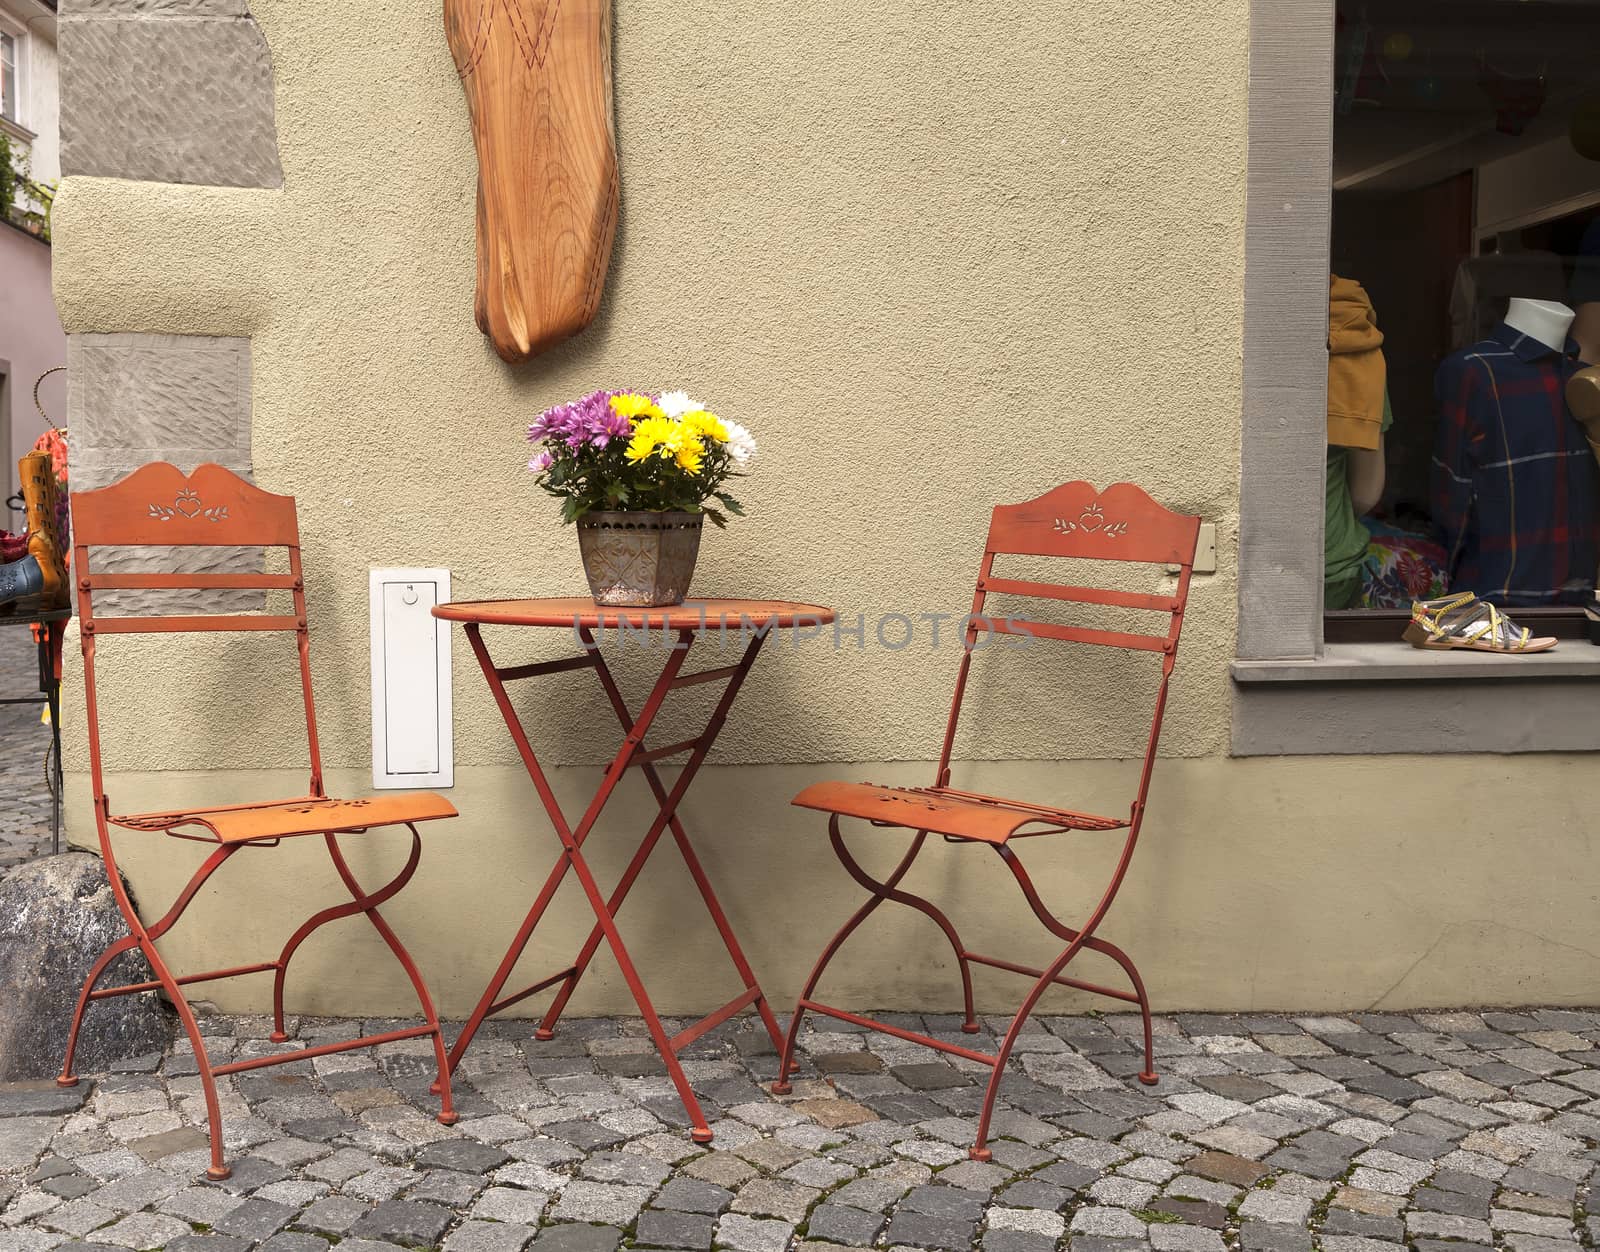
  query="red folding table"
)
[{"x": 747, "y": 620}]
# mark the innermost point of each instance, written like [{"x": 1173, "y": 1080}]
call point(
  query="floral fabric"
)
[{"x": 1400, "y": 567}]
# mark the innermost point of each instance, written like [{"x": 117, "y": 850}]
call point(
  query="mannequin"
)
[
  {"x": 1584, "y": 294},
  {"x": 1484, "y": 283},
  {"x": 1583, "y": 398},
  {"x": 1544, "y": 320},
  {"x": 1516, "y": 489}
]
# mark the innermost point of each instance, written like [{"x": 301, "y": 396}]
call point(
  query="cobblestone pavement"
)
[
  {"x": 1446, "y": 1132},
  {"x": 24, "y": 740}
]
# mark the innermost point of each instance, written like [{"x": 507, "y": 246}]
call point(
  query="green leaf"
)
[
  {"x": 571, "y": 510},
  {"x": 729, "y": 503},
  {"x": 717, "y": 519}
]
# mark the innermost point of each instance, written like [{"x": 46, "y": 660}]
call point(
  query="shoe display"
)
[{"x": 1464, "y": 621}]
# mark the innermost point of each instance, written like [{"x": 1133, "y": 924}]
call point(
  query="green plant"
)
[
  {"x": 43, "y": 195},
  {"x": 24, "y": 201},
  {"x": 9, "y": 175}
]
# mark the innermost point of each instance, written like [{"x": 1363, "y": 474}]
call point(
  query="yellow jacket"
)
[{"x": 1356, "y": 374}]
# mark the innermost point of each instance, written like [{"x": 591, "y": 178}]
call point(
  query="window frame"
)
[
  {"x": 18, "y": 35},
  {"x": 1295, "y": 692}
]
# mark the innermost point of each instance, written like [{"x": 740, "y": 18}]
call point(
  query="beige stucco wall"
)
[
  {"x": 1260, "y": 884},
  {"x": 935, "y": 261}
]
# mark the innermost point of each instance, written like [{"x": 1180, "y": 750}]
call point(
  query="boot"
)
[{"x": 37, "y": 582}]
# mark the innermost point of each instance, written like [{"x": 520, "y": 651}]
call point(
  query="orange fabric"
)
[{"x": 1356, "y": 371}]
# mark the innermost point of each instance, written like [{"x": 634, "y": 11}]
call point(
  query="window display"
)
[{"x": 1464, "y": 298}]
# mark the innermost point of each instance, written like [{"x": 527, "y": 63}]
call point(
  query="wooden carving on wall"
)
[{"x": 537, "y": 74}]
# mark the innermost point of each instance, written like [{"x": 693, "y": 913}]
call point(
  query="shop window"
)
[{"x": 1466, "y": 215}]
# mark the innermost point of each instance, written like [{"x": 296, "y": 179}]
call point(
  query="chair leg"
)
[
  {"x": 1096, "y": 944},
  {"x": 889, "y": 891},
  {"x": 1148, "y": 1075},
  {"x": 67, "y": 1078},
  {"x": 144, "y": 939},
  {"x": 318, "y": 920},
  {"x": 881, "y": 891},
  {"x": 1076, "y": 941},
  {"x": 218, "y": 1169},
  {"x": 368, "y": 904}
]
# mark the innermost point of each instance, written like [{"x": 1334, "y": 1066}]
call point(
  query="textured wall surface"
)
[
  {"x": 933, "y": 263},
  {"x": 1258, "y": 885},
  {"x": 167, "y": 90},
  {"x": 178, "y": 398}
]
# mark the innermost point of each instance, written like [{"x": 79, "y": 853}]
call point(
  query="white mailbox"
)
[{"x": 412, "y": 725}]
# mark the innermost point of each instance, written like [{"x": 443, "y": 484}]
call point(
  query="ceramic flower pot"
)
[{"x": 638, "y": 559}]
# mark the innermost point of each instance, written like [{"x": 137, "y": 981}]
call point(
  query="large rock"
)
[{"x": 57, "y": 915}]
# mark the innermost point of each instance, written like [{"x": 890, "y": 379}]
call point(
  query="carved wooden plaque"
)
[{"x": 537, "y": 74}]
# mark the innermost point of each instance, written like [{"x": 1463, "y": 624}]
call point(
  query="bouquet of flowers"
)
[{"x": 635, "y": 451}]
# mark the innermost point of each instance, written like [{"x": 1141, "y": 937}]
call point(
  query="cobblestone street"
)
[
  {"x": 24, "y": 740},
  {"x": 1444, "y": 1132}
]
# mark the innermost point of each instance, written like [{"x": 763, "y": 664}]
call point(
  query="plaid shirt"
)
[{"x": 1516, "y": 492}]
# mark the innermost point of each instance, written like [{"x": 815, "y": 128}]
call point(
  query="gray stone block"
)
[
  {"x": 489, "y": 1237},
  {"x": 461, "y": 1154},
  {"x": 155, "y": 397},
  {"x": 577, "y": 1238},
  {"x": 57, "y": 915},
  {"x": 411, "y": 1223},
  {"x": 167, "y": 101},
  {"x": 154, "y": 8},
  {"x": 39, "y": 1096},
  {"x": 661, "y": 1229},
  {"x": 133, "y": 399},
  {"x": 838, "y": 1223},
  {"x": 256, "y": 1220}
]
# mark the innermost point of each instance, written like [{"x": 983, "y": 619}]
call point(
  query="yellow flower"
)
[
  {"x": 680, "y": 444},
  {"x": 705, "y": 424},
  {"x": 690, "y": 453},
  {"x": 649, "y": 434},
  {"x": 633, "y": 405}
]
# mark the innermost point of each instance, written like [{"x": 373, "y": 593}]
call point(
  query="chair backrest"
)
[
  {"x": 159, "y": 506},
  {"x": 1075, "y": 521}
]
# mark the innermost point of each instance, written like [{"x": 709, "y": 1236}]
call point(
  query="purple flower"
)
[
  {"x": 541, "y": 462},
  {"x": 586, "y": 422}
]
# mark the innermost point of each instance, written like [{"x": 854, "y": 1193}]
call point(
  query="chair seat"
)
[
  {"x": 281, "y": 819},
  {"x": 944, "y": 811}
]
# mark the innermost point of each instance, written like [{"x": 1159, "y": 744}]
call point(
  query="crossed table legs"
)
[{"x": 633, "y": 752}]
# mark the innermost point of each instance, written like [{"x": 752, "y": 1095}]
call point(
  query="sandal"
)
[{"x": 1464, "y": 621}]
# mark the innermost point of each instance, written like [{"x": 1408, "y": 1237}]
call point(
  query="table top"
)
[{"x": 574, "y": 611}]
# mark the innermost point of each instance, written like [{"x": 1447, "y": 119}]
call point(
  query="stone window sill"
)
[
  {"x": 1399, "y": 662},
  {"x": 17, "y": 131},
  {"x": 1364, "y": 699}
]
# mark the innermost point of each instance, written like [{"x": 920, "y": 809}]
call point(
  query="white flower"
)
[
  {"x": 741, "y": 446},
  {"x": 676, "y": 403}
]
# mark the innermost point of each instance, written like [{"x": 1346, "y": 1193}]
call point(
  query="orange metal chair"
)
[
  {"x": 159, "y": 506},
  {"x": 1074, "y": 521}
]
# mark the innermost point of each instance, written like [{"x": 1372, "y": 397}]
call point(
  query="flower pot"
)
[{"x": 639, "y": 559}]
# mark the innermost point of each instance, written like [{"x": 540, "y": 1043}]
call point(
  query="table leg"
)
[
  {"x": 571, "y": 840},
  {"x": 632, "y": 752},
  {"x": 667, "y": 818}
]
